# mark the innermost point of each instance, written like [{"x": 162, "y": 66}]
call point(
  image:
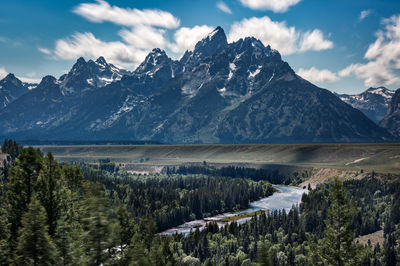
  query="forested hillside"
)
[{"x": 61, "y": 214}]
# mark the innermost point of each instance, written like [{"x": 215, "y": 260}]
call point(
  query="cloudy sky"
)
[{"x": 344, "y": 46}]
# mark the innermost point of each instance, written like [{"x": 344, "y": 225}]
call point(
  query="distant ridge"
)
[
  {"x": 373, "y": 102},
  {"x": 86, "y": 142}
]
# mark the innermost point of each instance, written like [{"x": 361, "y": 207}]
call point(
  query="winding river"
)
[{"x": 285, "y": 199}]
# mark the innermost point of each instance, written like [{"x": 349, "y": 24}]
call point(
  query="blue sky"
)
[{"x": 344, "y": 46}]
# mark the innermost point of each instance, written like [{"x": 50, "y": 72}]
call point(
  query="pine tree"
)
[
  {"x": 50, "y": 191},
  {"x": 390, "y": 257},
  {"x": 4, "y": 237},
  {"x": 98, "y": 230},
  {"x": 137, "y": 254},
  {"x": 34, "y": 246},
  {"x": 20, "y": 187},
  {"x": 264, "y": 255},
  {"x": 73, "y": 177},
  {"x": 124, "y": 227},
  {"x": 337, "y": 246}
]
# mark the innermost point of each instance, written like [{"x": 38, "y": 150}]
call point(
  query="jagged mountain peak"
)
[
  {"x": 101, "y": 60},
  {"x": 373, "y": 102},
  {"x": 213, "y": 43},
  {"x": 48, "y": 80},
  {"x": 88, "y": 75},
  {"x": 381, "y": 91},
  {"x": 153, "y": 60},
  {"x": 10, "y": 89},
  {"x": 11, "y": 79},
  {"x": 253, "y": 45}
]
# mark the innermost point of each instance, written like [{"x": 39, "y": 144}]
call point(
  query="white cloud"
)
[
  {"x": 29, "y": 80},
  {"x": 224, "y": 7},
  {"x": 144, "y": 37},
  {"x": 315, "y": 75},
  {"x": 277, "y": 34},
  {"x": 87, "y": 45},
  {"x": 278, "y": 6},
  {"x": 383, "y": 57},
  {"x": 44, "y": 50},
  {"x": 314, "y": 41},
  {"x": 145, "y": 30},
  {"x": 101, "y": 11},
  {"x": 186, "y": 38},
  {"x": 3, "y": 72},
  {"x": 365, "y": 13}
]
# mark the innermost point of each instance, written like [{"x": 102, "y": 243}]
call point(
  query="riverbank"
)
[{"x": 285, "y": 199}]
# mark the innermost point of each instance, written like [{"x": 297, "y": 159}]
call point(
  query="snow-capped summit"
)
[
  {"x": 213, "y": 43},
  {"x": 153, "y": 62},
  {"x": 373, "y": 102},
  {"x": 391, "y": 121},
  {"x": 10, "y": 89},
  {"x": 88, "y": 75}
]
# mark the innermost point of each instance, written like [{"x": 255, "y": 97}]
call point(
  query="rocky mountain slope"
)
[
  {"x": 241, "y": 92},
  {"x": 373, "y": 102},
  {"x": 12, "y": 88},
  {"x": 391, "y": 121}
]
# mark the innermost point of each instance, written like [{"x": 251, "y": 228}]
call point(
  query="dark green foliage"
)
[
  {"x": 97, "y": 226},
  {"x": 124, "y": 228},
  {"x": 273, "y": 175},
  {"x": 337, "y": 246},
  {"x": 4, "y": 236},
  {"x": 50, "y": 191},
  {"x": 173, "y": 200},
  {"x": 264, "y": 255},
  {"x": 35, "y": 246},
  {"x": 73, "y": 177},
  {"x": 21, "y": 184},
  {"x": 12, "y": 148}
]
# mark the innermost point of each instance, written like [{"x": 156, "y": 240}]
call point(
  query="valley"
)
[{"x": 378, "y": 157}]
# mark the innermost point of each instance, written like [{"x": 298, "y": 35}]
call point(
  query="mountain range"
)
[
  {"x": 220, "y": 92},
  {"x": 373, "y": 102}
]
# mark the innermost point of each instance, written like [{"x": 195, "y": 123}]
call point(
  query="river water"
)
[{"x": 285, "y": 199}]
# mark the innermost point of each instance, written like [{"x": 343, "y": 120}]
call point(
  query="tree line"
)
[{"x": 274, "y": 176}]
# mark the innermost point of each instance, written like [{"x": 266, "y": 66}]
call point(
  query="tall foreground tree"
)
[
  {"x": 35, "y": 246},
  {"x": 338, "y": 247},
  {"x": 21, "y": 184},
  {"x": 50, "y": 192},
  {"x": 98, "y": 243}
]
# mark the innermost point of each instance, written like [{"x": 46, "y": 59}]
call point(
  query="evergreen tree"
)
[
  {"x": 337, "y": 246},
  {"x": 264, "y": 255},
  {"x": 21, "y": 184},
  {"x": 50, "y": 191},
  {"x": 4, "y": 237},
  {"x": 124, "y": 227},
  {"x": 97, "y": 226},
  {"x": 137, "y": 254},
  {"x": 73, "y": 177},
  {"x": 35, "y": 246},
  {"x": 390, "y": 257}
]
